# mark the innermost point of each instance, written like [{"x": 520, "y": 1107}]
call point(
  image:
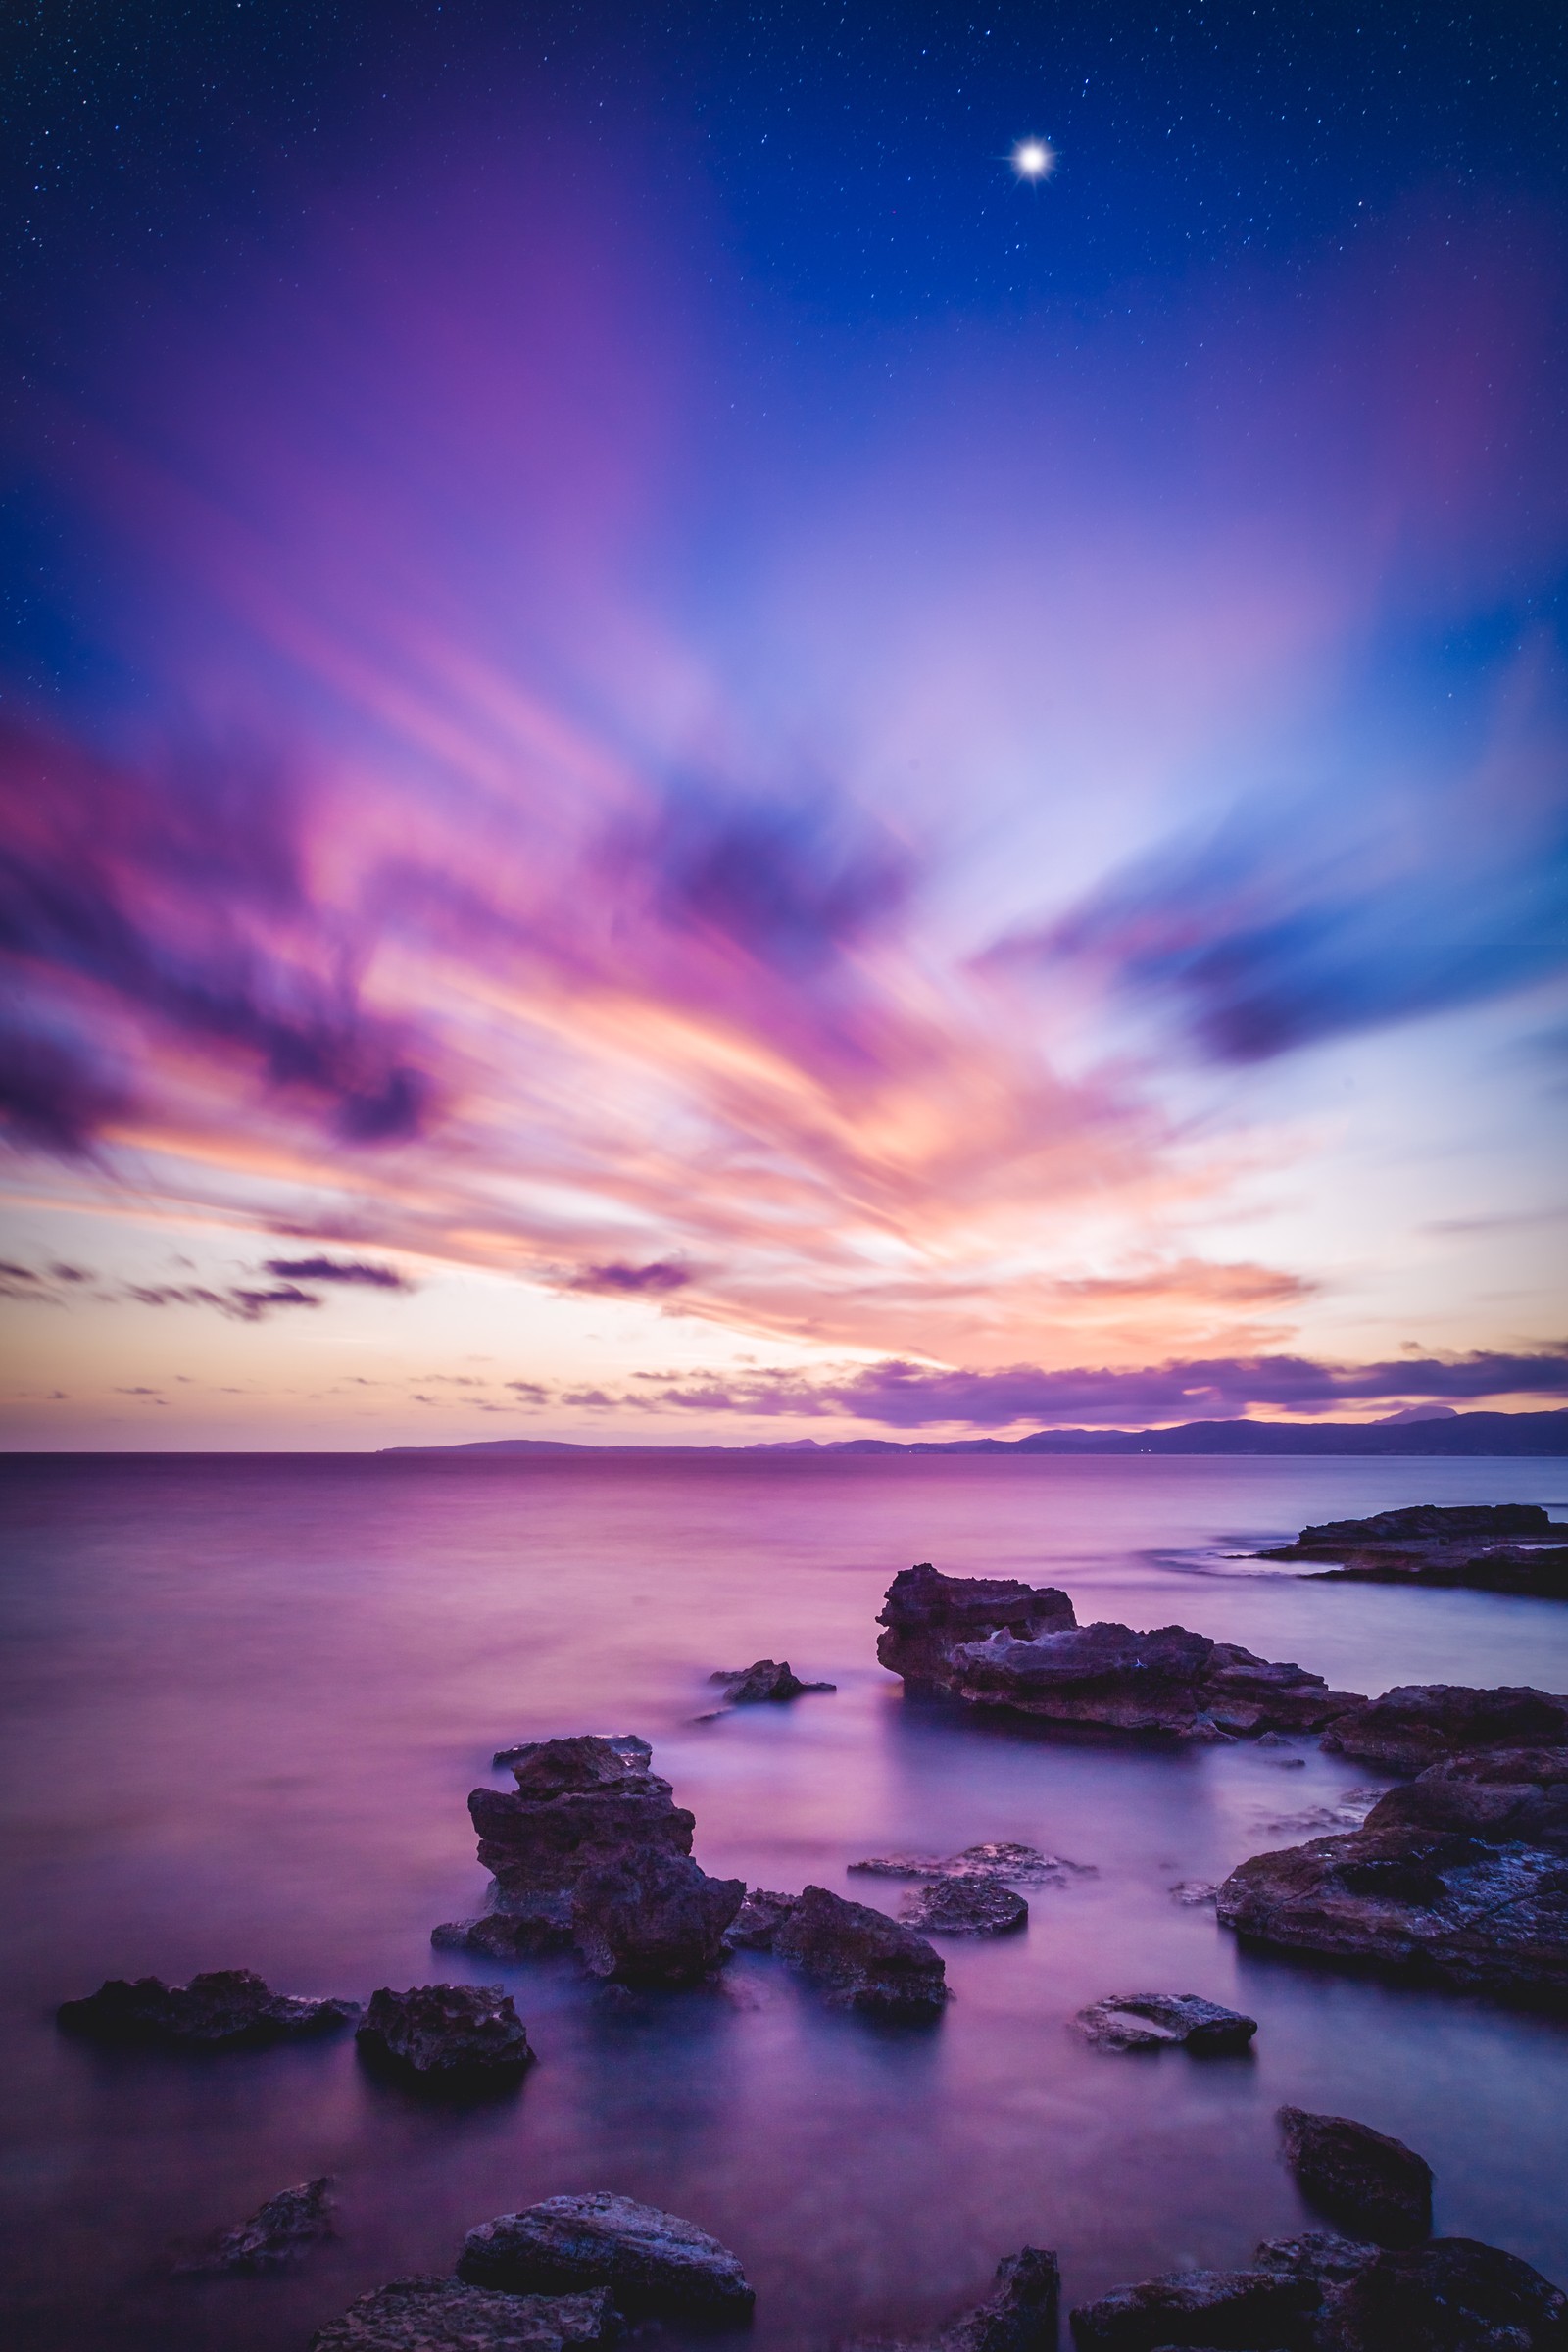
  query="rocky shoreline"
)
[{"x": 1486, "y": 1548}]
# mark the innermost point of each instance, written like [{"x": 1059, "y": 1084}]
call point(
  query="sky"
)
[{"x": 685, "y": 764}]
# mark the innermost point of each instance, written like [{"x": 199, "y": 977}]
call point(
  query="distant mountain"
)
[{"x": 1452, "y": 1433}]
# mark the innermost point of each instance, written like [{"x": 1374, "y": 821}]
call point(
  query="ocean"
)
[{"x": 246, "y": 1699}]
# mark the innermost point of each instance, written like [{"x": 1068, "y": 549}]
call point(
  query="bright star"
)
[{"x": 1032, "y": 159}]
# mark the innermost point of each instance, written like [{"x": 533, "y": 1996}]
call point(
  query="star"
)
[{"x": 1032, "y": 159}]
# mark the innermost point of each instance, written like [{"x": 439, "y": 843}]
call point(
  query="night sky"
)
[{"x": 682, "y": 762}]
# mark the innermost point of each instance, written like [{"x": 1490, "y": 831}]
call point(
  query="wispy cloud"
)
[{"x": 360, "y": 1273}]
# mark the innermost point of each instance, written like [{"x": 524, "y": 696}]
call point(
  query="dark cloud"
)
[
  {"x": 242, "y": 1305},
  {"x": 17, "y": 1273},
  {"x": 907, "y": 1395},
  {"x": 54, "y": 1095},
  {"x": 352, "y": 1270},
  {"x": 528, "y": 1391},
  {"x": 620, "y": 1280}
]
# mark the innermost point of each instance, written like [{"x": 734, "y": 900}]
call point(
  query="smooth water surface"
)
[{"x": 246, "y": 1699}]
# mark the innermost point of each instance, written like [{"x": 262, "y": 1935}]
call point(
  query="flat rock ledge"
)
[
  {"x": 1490, "y": 1547},
  {"x": 767, "y": 1682},
  {"x": 653, "y": 2264},
  {"x": 1418, "y": 1723},
  {"x": 996, "y": 1859},
  {"x": 1374, "y": 2184},
  {"x": 990, "y": 1642},
  {"x": 1461, "y": 1877},
  {"x": 965, "y": 1907},
  {"x": 423, "y": 2314},
  {"x": 1165, "y": 2021},
  {"x": 276, "y": 2235},
  {"x": 223, "y": 2008},
  {"x": 1321, "y": 2293},
  {"x": 1022, "y": 2313},
  {"x": 859, "y": 1959},
  {"x": 443, "y": 2033}
]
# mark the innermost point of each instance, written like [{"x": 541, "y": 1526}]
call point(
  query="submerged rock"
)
[
  {"x": 652, "y": 2261},
  {"x": 423, "y": 2314},
  {"x": 860, "y": 1959},
  {"x": 1494, "y": 1548},
  {"x": 1000, "y": 1644},
  {"x": 1230, "y": 2311},
  {"x": 765, "y": 1680},
  {"x": 1355, "y": 2174},
  {"x": 1418, "y": 1723},
  {"x": 276, "y": 2234},
  {"x": 759, "y": 1920},
  {"x": 980, "y": 1906},
  {"x": 1459, "y": 1877},
  {"x": 1157, "y": 2021},
  {"x": 223, "y": 2008},
  {"x": 651, "y": 1917},
  {"x": 1021, "y": 1865},
  {"x": 444, "y": 2030}
]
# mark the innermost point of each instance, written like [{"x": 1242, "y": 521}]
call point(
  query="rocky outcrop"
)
[
  {"x": 1374, "y": 2184},
  {"x": 759, "y": 1920},
  {"x": 927, "y": 1615},
  {"x": 653, "y": 2263},
  {"x": 647, "y": 1917},
  {"x": 996, "y": 1859},
  {"x": 766, "y": 1681},
  {"x": 276, "y": 2234},
  {"x": 423, "y": 2314},
  {"x": 445, "y": 2032},
  {"x": 1321, "y": 2293},
  {"x": 1418, "y": 1723},
  {"x": 223, "y": 2008},
  {"x": 860, "y": 1959},
  {"x": 580, "y": 1804},
  {"x": 981, "y": 1906},
  {"x": 1163, "y": 2020},
  {"x": 1022, "y": 2313},
  {"x": 1460, "y": 1876},
  {"x": 1495, "y": 1548}
]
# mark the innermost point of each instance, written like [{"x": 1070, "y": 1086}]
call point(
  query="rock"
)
[
  {"x": 1450, "y": 2295},
  {"x": 579, "y": 1802},
  {"x": 1021, "y": 2313},
  {"x": 441, "y": 2032},
  {"x": 223, "y": 2008},
  {"x": 926, "y": 1614},
  {"x": 1320, "y": 2254},
  {"x": 766, "y": 1679},
  {"x": 980, "y": 1906},
  {"x": 652, "y": 2261},
  {"x": 652, "y": 1916},
  {"x": 1473, "y": 1544},
  {"x": 1378, "y": 2185},
  {"x": 1194, "y": 1892},
  {"x": 1424, "y": 1722},
  {"x": 1022, "y": 1865},
  {"x": 759, "y": 1920},
  {"x": 1157, "y": 2020},
  {"x": 1231, "y": 2311},
  {"x": 1000, "y": 1644},
  {"x": 446, "y": 2315},
  {"x": 860, "y": 1959},
  {"x": 277, "y": 2233}
]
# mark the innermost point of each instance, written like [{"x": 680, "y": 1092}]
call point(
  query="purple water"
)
[{"x": 245, "y": 1701}]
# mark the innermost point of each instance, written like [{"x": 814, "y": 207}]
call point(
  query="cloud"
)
[
  {"x": 619, "y": 1280},
  {"x": 354, "y": 1271},
  {"x": 239, "y": 1303}
]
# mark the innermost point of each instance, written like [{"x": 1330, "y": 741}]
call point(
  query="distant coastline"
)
[{"x": 1457, "y": 1433}]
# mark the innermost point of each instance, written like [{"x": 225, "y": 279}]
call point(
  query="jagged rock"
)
[
  {"x": 1459, "y": 1877},
  {"x": 860, "y": 1959},
  {"x": 652, "y": 2261},
  {"x": 1474, "y": 1544},
  {"x": 423, "y": 2314},
  {"x": 1452, "y": 2294},
  {"x": 979, "y": 1906},
  {"x": 1358, "y": 2175},
  {"x": 766, "y": 1679},
  {"x": 1419, "y": 1724},
  {"x": 1195, "y": 1892},
  {"x": 1230, "y": 2311},
  {"x": 996, "y": 1859},
  {"x": 1000, "y": 1644},
  {"x": 759, "y": 1920},
  {"x": 1320, "y": 2254},
  {"x": 579, "y": 1802},
  {"x": 652, "y": 1916},
  {"x": 442, "y": 2031},
  {"x": 221, "y": 2008},
  {"x": 926, "y": 1614},
  {"x": 277, "y": 2233},
  {"x": 1019, "y": 2315},
  {"x": 1157, "y": 2021}
]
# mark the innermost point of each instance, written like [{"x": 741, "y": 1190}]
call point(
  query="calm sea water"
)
[{"x": 245, "y": 1699}]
